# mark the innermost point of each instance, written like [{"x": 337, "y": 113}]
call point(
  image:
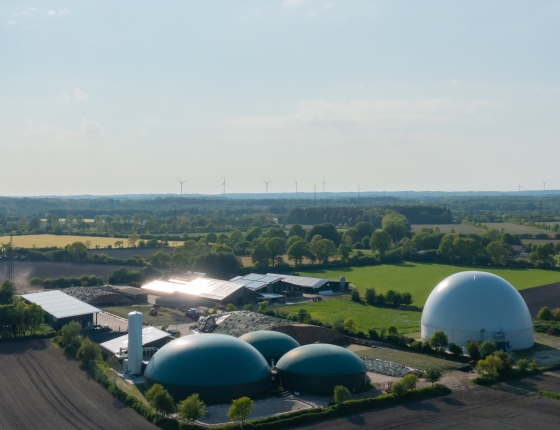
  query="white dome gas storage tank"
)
[{"x": 478, "y": 306}]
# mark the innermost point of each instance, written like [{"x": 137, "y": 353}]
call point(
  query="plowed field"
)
[{"x": 40, "y": 388}]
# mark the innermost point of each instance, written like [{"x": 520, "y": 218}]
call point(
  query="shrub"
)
[
  {"x": 373, "y": 335},
  {"x": 489, "y": 366},
  {"x": 455, "y": 349},
  {"x": 544, "y": 314},
  {"x": 241, "y": 409},
  {"x": 370, "y": 296},
  {"x": 439, "y": 340},
  {"x": 523, "y": 364},
  {"x": 473, "y": 349},
  {"x": 35, "y": 281},
  {"x": 487, "y": 348},
  {"x": 355, "y": 295},
  {"x": 399, "y": 389},
  {"x": 410, "y": 381},
  {"x": 88, "y": 351},
  {"x": 160, "y": 399},
  {"x": 231, "y": 307},
  {"x": 417, "y": 346},
  {"x": 392, "y": 331},
  {"x": 556, "y": 314},
  {"x": 432, "y": 374},
  {"x": 192, "y": 408},
  {"x": 341, "y": 394},
  {"x": 533, "y": 365}
]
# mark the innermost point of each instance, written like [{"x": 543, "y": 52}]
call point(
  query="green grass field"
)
[
  {"x": 416, "y": 361},
  {"x": 166, "y": 316},
  {"x": 366, "y": 317},
  {"x": 420, "y": 279}
]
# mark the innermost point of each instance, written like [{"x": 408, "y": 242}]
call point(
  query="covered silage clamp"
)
[
  {"x": 317, "y": 368},
  {"x": 217, "y": 367},
  {"x": 271, "y": 344}
]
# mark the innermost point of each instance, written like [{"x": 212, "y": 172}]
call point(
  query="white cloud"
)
[
  {"x": 51, "y": 13},
  {"x": 79, "y": 94},
  {"x": 328, "y": 6},
  {"x": 25, "y": 12},
  {"x": 454, "y": 81},
  {"x": 392, "y": 113},
  {"x": 91, "y": 128},
  {"x": 11, "y": 23},
  {"x": 63, "y": 12},
  {"x": 312, "y": 14}
]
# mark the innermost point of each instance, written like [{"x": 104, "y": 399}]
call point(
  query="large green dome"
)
[
  {"x": 216, "y": 366},
  {"x": 318, "y": 368},
  {"x": 271, "y": 344}
]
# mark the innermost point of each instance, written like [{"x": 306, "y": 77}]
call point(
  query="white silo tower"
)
[{"x": 135, "y": 343}]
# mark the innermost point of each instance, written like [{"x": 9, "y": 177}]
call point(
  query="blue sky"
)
[{"x": 124, "y": 97}]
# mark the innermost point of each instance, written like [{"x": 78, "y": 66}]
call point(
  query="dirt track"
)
[
  {"x": 40, "y": 388},
  {"x": 505, "y": 406}
]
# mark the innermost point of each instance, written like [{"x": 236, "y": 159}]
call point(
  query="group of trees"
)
[
  {"x": 17, "y": 318},
  {"x": 391, "y": 297}
]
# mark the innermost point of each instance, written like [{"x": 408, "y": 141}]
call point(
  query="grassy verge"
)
[
  {"x": 410, "y": 359},
  {"x": 43, "y": 332},
  {"x": 550, "y": 394},
  {"x": 166, "y": 316}
]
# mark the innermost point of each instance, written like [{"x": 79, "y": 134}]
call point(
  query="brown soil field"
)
[
  {"x": 246, "y": 261},
  {"x": 545, "y": 295},
  {"x": 517, "y": 229},
  {"x": 511, "y": 405},
  {"x": 44, "y": 389},
  {"x": 46, "y": 240},
  {"x": 446, "y": 228}
]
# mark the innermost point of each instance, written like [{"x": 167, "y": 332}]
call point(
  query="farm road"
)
[
  {"x": 510, "y": 405},
  {"x": 40, "y": 388}
]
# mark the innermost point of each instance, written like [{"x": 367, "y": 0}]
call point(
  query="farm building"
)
[
  {"x": 104, "y": 296},
  {"x": 60, "y": 308},
  {"x": 200, "y": 292},
  {"x": 217, "y": 367},
  {"x": 271, "y": 344},
  {"x": 151, "y": 338},
  {"x": 282, "y": 284},
  {"x": 317, "y": 368},
  {"x": 136, "y": 295},
  {"x": 478, "y": 306}
]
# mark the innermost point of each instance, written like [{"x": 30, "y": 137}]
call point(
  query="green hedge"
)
[
  {"x": 550, "y": 394},
  {"x": 515, "y": 374}
]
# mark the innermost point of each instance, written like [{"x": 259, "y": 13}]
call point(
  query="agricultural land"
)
[
  {"x": 447, "y": 228},
  {"x": 46, "y": 390}
]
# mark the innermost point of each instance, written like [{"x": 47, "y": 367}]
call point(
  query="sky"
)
[{"x": 127, "y": 97}]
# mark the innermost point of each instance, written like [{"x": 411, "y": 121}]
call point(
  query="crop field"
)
[
  {"x": 410, "y": 359},
  {"x": 517, "y": 229},
  {"x": 46, "y": 240},
  {"x": 166, "y": 316},
  {"x": 44, "y": 389},
  {"x": 419, "y": 279},
  {"x": 446, "y": 228},
  {"x": 367, "y": 317}
]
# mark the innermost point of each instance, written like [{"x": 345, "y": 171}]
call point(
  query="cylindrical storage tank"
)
[
  {"x": 342, "y": 283},
  {"x": 317, "y": 368},
  {"x": 271, "y": 344},
  {"x": 478, "y": 306},
  {"x": 217, "y": 367},
  {"x": 135, "y": 343}
]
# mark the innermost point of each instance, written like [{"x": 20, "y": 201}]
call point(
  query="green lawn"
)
[
  {"x": 166, "y": 316},
  {"x": 419, "y": 279},
  {"x": 367, "y": 317},
  {"x": 416, "y": 361}
]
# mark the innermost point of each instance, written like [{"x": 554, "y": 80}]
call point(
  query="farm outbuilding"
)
[
  {"x": 271, "y": 344},
  {"x": 217, "y": 367},
  {"x": 136, "y": 295},
  {"x": 478, "y": 306},
  {"x": 151, "y": 337},
  {"x": 60, "y": 309},
  {"x": 317, "y": 368}
]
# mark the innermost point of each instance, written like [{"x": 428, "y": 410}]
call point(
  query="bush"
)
[
  {"x": 341, "y": 394},
  {"x": 355, "y": 295},
  {"x": 487, "y": 348},
  {"x": 473, "y": 350},
  {"x": 544, "y": 314},
  {"x": 439, "y": 340},
  {"x": 410, "y": 381},
  {"x": 455, "y": 349},
  {"x": 432, "y": 374},
  {"x": 373, "y": 335},
  {"x": 88, "y": 351},
  {"x": 399, "y": 389},
  {"x": 370, "y": 296},
  {"x": 523, "y": 364}
]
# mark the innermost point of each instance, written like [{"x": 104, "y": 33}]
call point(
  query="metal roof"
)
[
  {"x": 203, "y": 287},
  {"x": 255, "y": 281},
  {"x": 149, "y": 335},
  {"x": 302, "y": 281},
  {"x": 60, "y": 305}
]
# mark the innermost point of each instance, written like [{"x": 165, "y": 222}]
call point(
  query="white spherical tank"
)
[
  {"x": 135, "y": 343},
  {"x": 478, "y": 306}
]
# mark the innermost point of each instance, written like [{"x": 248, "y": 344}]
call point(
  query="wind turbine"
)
[
  {"x": 324, "y": 183},
  {"x": 224, "y": 185},
  {"x": 181, "y": 182},
  {"x": 544, "y": 184},
  {"x": 266, "y": 184},
  {"x": 519, "y": 187},
  {"x": 296, "y": 186}
]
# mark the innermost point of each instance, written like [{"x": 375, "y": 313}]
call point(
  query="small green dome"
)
[
  {"x": 321, "y": 359},
  {"x": 271, "y": 344}
]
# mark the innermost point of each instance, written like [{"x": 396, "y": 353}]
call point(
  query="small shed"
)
[{"x": 136, "y": 295}]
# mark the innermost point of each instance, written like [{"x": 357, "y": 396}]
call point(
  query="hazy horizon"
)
[{"x": 123, "y": 98}]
